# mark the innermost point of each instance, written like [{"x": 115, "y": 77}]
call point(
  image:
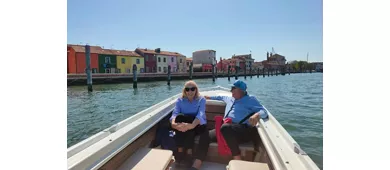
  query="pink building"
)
[{"x": 173, "y": 63}]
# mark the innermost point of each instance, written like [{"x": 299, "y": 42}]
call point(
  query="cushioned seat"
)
[
  {"x": 148, "y": 158},
  {"x": 239, "y": 165}
]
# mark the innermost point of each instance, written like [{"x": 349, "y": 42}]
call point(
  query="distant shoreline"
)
[{"x": 118, "y": 78}]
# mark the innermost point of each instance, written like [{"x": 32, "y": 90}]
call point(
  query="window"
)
[
  {"x": 159, "y": 68},
  {"x": 165, "y": 60},
  {"x": 159, "y": 60},
  {"x": 180, "y": 60},
  {"x": 107, "y": 60},
  {"x": 146, "y": 58},
  {"x": 128, "y": 70},
  {"x": 138, "y": 61},
  {"x": 123, "y": 61},
  {"x": 172, "y": 59}
]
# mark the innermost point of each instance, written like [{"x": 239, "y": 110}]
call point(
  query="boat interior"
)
[{"x": 143, "y": 154}]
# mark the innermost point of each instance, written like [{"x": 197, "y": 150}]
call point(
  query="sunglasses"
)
[{"x": 188, "y": 89}]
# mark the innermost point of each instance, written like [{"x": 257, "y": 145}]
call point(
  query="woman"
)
[{"x": 188, "y": 120}]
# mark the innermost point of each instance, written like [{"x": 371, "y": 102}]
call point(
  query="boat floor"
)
[{"x": 205, "y": 166}]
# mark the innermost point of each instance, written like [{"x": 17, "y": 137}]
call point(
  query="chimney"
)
[{"x": 157, "y": 50}]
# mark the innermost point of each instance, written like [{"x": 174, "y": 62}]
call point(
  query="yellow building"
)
[
  {"x": 139, "y": 61},
  {"x": 126, "y": 59}
]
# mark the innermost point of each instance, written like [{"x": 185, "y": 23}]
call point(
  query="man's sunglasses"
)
[{"x": 192, "y": 89}]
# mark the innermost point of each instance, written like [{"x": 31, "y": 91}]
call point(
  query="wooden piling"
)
[
  {"x": 236, "y": 72},
  {"x": 229, "y": 73},
  {"x": 245, "y": 73},
  {"x": 191, "y": 66},
  {"x": 134, "y": 76},
  {"x": 169, "y": 76},
  {"x": 213, "y": 71},
  {"x": 88, "y": 69}
]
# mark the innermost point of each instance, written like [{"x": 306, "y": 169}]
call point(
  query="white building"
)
[
  {"x": 204, "y": 57},
  {"x": 162, "y": 63}
]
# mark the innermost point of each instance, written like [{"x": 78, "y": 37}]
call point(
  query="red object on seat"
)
[{"x": 223, "y": 148}]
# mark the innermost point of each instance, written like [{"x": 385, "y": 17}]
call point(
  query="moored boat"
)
[{"x": 129, "y": 144}]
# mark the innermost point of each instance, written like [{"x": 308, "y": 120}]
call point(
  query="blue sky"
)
[{"x": 293, "y": 28}]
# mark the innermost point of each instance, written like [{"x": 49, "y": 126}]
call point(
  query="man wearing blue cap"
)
[{"x": 244, "y": 111}]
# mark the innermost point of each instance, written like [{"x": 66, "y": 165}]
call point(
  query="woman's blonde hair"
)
[{"x": 197, "y": 94}]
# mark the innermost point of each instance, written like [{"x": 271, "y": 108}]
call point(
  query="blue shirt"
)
[
  {"x": 240, "y": 108},
  {"x": 196, "y": 108}
]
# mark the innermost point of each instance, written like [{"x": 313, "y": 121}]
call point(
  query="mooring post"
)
[
  {"x": 277, "y": 71},
  {"x": 263, "y": 72},
  {"x": 190, "y": 70},
  {"x": 268, "y": 70},
  {"x": 245, "y": 73},
  {"x": 213, "y": 70},
  {"x": 229, "y": 73},
  {"x": 88, "y": 69},
  {"x": 236, "y": 72},
  {"x": 169, "y": 76},
  {"x": 250, "y": 70},
  {"x": 134, "y": 76},
  {"x": 258, "y": 72}
]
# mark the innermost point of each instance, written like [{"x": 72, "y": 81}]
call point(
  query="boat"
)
[{"x": 129, "y": 143}]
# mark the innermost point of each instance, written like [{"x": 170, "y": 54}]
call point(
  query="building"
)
[
  {"x": 126, "y": 59},
  {"x": 181, "y": 63},
  {"x": 223, "y": 65},
  {"x": 107, "y": 61},
  {"x": 188, "y": 62},
  {"x": 204, "y": 57},
  {"x": 257, "y": 65},
  {"x": 277, "y": 59},
  {"x": 247, "y": 59},
  {"x": 156, "y": 61},
  {"x": 76, "y": 59},
  {"x": 172, "y": 61}
]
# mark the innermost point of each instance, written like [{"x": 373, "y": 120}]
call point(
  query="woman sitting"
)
[{"x": 188, "y": 120}]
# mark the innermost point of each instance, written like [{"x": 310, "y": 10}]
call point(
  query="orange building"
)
[{"x": 76, "y": 59}]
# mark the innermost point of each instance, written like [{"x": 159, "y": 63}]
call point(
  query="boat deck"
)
[{"x": 205, "y": 166}]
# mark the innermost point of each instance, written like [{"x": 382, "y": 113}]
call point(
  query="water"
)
[{"x": 295, "y": 100}]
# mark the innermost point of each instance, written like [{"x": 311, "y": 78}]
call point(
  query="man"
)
[{"x": 238, "y": 108}]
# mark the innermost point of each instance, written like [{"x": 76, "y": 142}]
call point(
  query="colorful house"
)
[
  {"x": 125, "y": 61},
  {"x": 139, "y": 62},
  {"x": 107, "y": 61},
  {"x": 162, "y": 65},
  {"x": 181, "y": 63},
  {"x": 172, "y": 61},
  {"x": 76, "y": 59},
  {"x": 156, "y": 61},
  {"x": 150, "y": 59}
]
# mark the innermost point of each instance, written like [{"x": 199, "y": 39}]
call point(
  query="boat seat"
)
[
  {"x": 148, "y": 158},
  {"x": 239, "y": 164}
]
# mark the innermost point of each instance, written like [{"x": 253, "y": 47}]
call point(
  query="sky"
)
[{"x": 293, "y": 28}]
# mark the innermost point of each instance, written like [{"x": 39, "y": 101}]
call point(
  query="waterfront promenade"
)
[{"x": 109, "y": 78}]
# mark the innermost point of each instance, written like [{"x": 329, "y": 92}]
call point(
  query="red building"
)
[
  {"x": 207, "y": 68},
  {"x": 76, "y": 59}
]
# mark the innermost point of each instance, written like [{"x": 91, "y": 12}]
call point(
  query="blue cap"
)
[{"x": 239, "y": 84}]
